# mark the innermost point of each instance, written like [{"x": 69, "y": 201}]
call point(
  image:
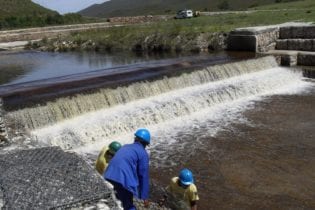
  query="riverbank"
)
[
  {"x": 203, "y": 33},
  {"x": 156, "y": 42}
]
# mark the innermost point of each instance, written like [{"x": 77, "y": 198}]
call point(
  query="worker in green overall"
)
[{"x": 106, "y": 154}]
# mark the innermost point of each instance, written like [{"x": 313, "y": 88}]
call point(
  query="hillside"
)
[
  {"x": 114, "y": 8},
  {"x": 25, "y": 13},
  {"x": 11, "y": 8}
]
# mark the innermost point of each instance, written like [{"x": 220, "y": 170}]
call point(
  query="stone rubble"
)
[
  {"x": 3, "y": 131},
  {"x": 51, "y": 178},
  {"x": 139, "y": 19}
]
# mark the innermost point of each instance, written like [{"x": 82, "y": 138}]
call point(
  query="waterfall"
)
[
  {"x": 70, "y": 107},
  {"x": 125, "y": 118}
]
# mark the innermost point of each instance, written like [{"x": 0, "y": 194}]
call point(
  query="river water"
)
[
  {"x": 245, "y": 129},
  {"x": 31, "y": 65},
  {"x": 258, "y": 155},
  {"x": 26, "y": 66}
]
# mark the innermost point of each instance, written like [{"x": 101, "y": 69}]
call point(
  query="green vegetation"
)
[
  {"x": 39, "y": 20},
  {"x": 296, "y": 5},
  {"x": 10, "y": 8},
  {"x": 25, "y": 13},
  {"x": 116, "y": 8},
  {"x": 183, "y": 34},
  {"x": 215, "y": 23}
]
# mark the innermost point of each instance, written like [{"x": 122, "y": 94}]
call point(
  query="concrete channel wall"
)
[
  {"x": 290, "y": 44},
  {"x": 257, "y": 39},
  {"x": 297, "y": 32},
  {"x": 263, "y": 39}
]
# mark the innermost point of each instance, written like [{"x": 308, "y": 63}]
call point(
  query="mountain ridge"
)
[
  {"x": 114, "y": 8},
  {"x": 11, "y": 8},
  {"x": 25, "y": 13}
]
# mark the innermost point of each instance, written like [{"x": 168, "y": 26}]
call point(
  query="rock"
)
[
  {"x": 3, "y": 130},
  {"x": 102, "y": 206}
]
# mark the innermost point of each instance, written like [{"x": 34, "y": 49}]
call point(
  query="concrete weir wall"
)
[
  {"x": 306, "y": 59},
  {"x": 291, "y": 43},
  {"x": 265, "y": 38},
  {"x": 297, "y": 32},
  {"x": 257, "y": 39}
]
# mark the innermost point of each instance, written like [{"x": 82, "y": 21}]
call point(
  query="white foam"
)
[{"x": 89, "y": 132}]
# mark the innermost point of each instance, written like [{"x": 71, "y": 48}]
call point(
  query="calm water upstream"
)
[
  {"x": 31, "y": 66},
  {"x": 246, "y": 129}
]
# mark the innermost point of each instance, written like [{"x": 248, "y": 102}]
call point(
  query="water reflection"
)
[{"x": 30, "y": 65}]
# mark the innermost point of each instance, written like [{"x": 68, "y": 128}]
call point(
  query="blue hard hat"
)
[
  {"x": 143, "y": 134},
  {"x": 186, "y": 177}
]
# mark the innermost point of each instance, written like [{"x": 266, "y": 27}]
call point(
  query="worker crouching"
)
[
  {"x": 182, "y": 188},
  {"x": 105, "y": 155}
]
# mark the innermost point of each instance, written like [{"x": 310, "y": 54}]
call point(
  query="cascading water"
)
[
  {"x": 66, "y": 108},
  {"x": 151, "y": 111},
  {"x": 240, "y": 127},
  {"x": 83, "y": 120}
]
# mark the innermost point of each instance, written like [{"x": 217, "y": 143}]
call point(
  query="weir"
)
[
  {"x": 69, "y": 107},
  {"x": 84, "y": 119}
]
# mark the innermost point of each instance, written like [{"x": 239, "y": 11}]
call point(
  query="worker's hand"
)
[
  {"x": 162, "y": 200},
  {"x": 146, "y": 203}
]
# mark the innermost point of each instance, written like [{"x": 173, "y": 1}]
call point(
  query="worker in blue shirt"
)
[{"x": 128, "y": 171}]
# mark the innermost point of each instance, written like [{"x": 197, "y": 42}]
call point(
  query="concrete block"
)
[
  {"x": 288, "y": 60},
  {"x": 285, "y": 33},
  {"x": 306, "y": 45},
  {"x": 282, "y": 44},
  {"x": 308, "y": 72},
  {"x": 297, "y": 44},
  {"x": 306, "y": 59},
  {"x": 297, "y": 32},
  {"x": 293, "y": 44},
  {"x": 309, "y": 32}
]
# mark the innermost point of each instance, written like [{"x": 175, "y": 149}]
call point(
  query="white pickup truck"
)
[{"x": 184, "y": 14}]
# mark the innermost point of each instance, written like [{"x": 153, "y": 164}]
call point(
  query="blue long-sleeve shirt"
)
[{"x": 130, "y": 168}]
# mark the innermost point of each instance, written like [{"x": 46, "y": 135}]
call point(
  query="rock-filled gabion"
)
[{"x": 49, "y": 178}]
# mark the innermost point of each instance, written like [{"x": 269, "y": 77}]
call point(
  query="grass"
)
[
  {"x": 203, "y": 24},
  {"x": 166, "y": 32},
  {"x": 307, "y": 4}
]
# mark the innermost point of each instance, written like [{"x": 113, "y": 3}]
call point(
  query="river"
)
[
  {"x": 26, "y": 66},
  {"x": 245, "y": 129}
]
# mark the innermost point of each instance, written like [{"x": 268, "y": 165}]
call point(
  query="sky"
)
[{"x": 66, "y": 6}]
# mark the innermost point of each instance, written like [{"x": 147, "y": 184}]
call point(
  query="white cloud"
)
[{"x": 66, "y": 6}]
